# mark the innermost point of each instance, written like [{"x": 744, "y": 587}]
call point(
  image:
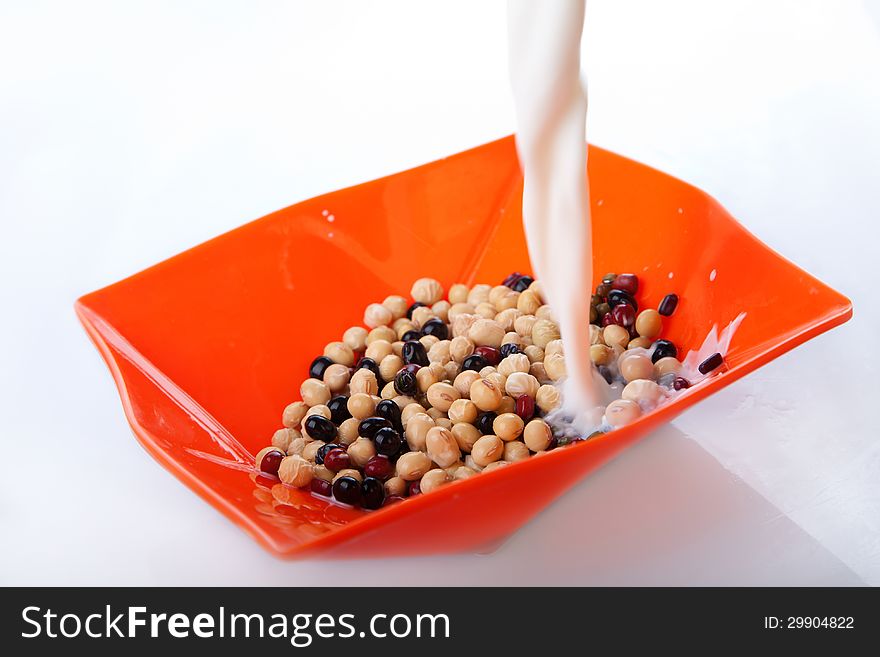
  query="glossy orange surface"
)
[{"x": 208, "y": 347}]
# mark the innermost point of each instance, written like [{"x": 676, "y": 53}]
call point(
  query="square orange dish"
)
[{"x": 208, "y": 347}]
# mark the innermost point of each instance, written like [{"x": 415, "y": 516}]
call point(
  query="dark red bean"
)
[
  {"x": 392, "y": 499},
  {"x": 607, "y": 319},
  {"x": 525, "y": 407},
  {"x": 322, "y": 452},
  {"x": 336, "y": 460},
  {"x": 490, "y": 354},
  {"x": 322, "y": 487},
  {"x": 668, "y": 305},
  {"x": 379, "y": 467},
  {"x": 624, "y": 315},
  {"x": 271, "y": 461},
  {"x": 681, "y": 383},
  {"x": 711, "y": 363},
  {"x": 629, "y": 283},
  {"x": 413, "y": 489}
]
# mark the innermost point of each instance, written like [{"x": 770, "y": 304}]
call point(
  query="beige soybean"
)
[
  {"x": 417, "y": 428},
  {"x": 356, "y": 338},
  {"x": 457, "y": 309},
  {"x": 323, "y": 472},
  {"x": 361, "y": 405},
  {"x": 361, "y": 451},
  {"x": 528, "y": 302},
  {"x": 521, "y": 383},
  {"x": 554, "y": 365},
  {"x": 295, "y": 471},
  {"x": 615, "y": 335},
  {"x": 440, "y": 352},
  {"x": 508, "y": 426},
  {"x": 442, "y": 446},
  {"x": 397, "y": 305},
  {"x": 349, "y": 472},
  {"x": 464, "y": 381},
  {"x": 667, "y": 365},
  {"x": 506, "y": 318},
  {"x": 485, "y": 311},
  {"x": 649, "y": 323},
  {"x": 408, "y": 411},
  {"x": 385, "y": 333},
  {"x": 432, "y": 480},
  {"x": 601, "y": 354},
  {"x": 635, "y": 366},
  {"x": 621, "y": 412},
  {"x": 524, "y": 325},
  {"x": 336, "y": 377},
  {"x": 486, "y": 333},
  {"x": 396, "y": 486},
  {"x": 421, "y": 315},
  {"x": 645, "y": 393},
  {"x": 548, "y": 398},
  {"x": 514, "y": 363},
  {"x": 411, "y": 466},
  {"x": 427, "y": 290},
  {"x": 485, "y": 394},
  {"x": 363, "y": 380},
  {"x": 462, "y": 410},
  {"x": 293, "y": 414},
  {"x": 314, "y": 392},
  {"x": 465, "y": 435},
  {"x": 544, "y": 332},
  {"x": 321, "y": 409},
  {"x": 348, "y": 431},
  {"x": 282, "y": 438},
  {"x": 458, "y": 293},
  {"x": 378, "y": 350},
  {"x": 464, "y": 472},
  {"x": 486, "y": 450},
  {"x": 479, "y": 294},
  {"x": 515, "y": 451},
  {"x": 377, "y": 315},
  {"x": 311, "y": 449},
  {"x": 537, "y": 435},
  {"x": 534, "y": 354},
  {"x": 442, "y": 395},
  {"x": 339, "y": 352}
]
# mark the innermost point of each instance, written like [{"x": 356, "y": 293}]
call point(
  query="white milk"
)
[{"x": 551, "y": 108}]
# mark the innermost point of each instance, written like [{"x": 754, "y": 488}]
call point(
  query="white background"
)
[{"x": 130, "y": 131}]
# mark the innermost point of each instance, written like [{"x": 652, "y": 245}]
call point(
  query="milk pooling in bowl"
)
[{"x": 551, "y": 107}]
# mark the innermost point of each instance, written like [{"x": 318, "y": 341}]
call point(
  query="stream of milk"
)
[{"x": 551, "y": 106}]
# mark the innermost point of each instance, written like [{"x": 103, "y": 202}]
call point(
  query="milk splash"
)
[{"x": 551, "y": 107}]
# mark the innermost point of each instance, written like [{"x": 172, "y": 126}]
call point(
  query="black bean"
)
[
  {"x": 711, "y": 363},
  {"x": 668, "y": 305},
  {"x": 413, "y": 353},
  {"x": 318, "y": 366}
]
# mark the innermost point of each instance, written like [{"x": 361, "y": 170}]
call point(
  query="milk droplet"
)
[
  {"x": 671, "y": 275},
  {"x": 712, "y": 275},
  {"x": 331, "y": 218},
  {"x": 325, "y": 212}
]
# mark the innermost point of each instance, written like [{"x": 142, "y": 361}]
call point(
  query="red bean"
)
[
  {"x": 271, "y": 461},
  {"x": 336, "y": 460},
  {"x": 681, "y": 383},
  {"x": 379, "y": 467},
  {"x": 322, "y": 487},
  {"x": 624, "y": 315},
  {"x": 627, "y": 282},
  {"x": 491, "y": 354},
  {"x": 525, "y": 407}
]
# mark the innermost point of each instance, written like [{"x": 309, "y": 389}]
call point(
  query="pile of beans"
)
[{"x": 451, "y": 385}]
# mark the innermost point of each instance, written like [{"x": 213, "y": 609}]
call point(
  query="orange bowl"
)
[{"x": 208, "y": 347}]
